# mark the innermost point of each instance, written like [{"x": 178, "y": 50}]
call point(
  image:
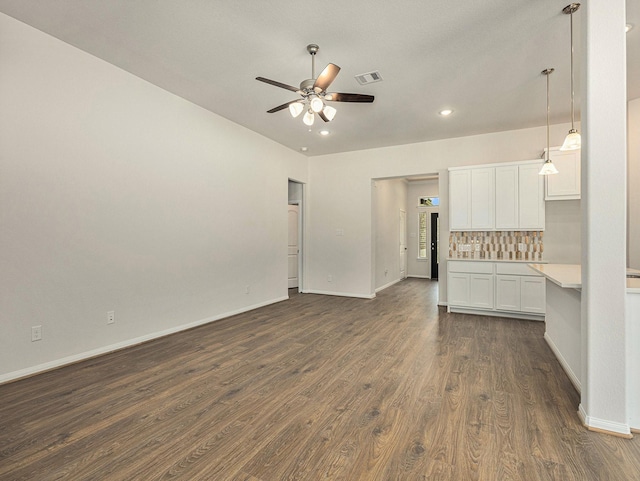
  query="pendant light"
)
[
  {"x": 548, "y": 168},
  {"x": 572, "y": 141}
]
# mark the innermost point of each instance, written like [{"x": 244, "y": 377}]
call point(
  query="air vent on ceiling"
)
[{"x": 369, "y": 78}]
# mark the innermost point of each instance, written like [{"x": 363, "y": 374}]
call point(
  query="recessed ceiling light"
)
[
  {"x": 304, "y": 149},
  {"x": 628, "y": 27},
  {"x": 324, "y": 132},
  {"x": 445, "y": 112}
]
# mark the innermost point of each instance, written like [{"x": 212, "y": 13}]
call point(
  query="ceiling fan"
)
[{"x": 314, "y": 95}]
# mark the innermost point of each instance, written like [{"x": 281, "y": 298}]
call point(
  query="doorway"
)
[
  {"x": 403, "y": 244},
  {"x": 295, "y": 251},
  {"x": 435, "y": 244}
]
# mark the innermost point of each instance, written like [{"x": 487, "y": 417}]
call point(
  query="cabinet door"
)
[
  {"x": 460, "y": 199},
  {"x": 565, "y": 184},
  {"x": 533, "y": 294},
  {"x": 481, "y": 291},
  {"x": 531, "y": 197},
  {"x": 483, "y": 194},
  {"x": 507, "y": 197},
  {"x": 458, "y": 289},
  {"x": 508, "y": 293}
]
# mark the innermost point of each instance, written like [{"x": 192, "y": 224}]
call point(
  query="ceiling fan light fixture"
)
[
  {"x": 329, "y": 112},
  {"x": 316, "y": 104},
  {"x": 296, "y": 109},
  {"x": 308, "y": 118}
]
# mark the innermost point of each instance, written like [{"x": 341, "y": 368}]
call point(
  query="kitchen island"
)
[{"x": 564, "y": 325}]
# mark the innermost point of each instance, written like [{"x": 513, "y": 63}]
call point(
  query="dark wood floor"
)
[{"x": 315, "y": 388}]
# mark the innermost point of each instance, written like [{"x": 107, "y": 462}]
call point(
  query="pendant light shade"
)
[
  {"x": 572, "y": 141},
  {"x": 548, "y": 168}
]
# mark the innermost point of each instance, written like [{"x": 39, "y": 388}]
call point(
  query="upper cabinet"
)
[
  {"x": 505, "y": 197},
  {"x": 565, "y": 185},
  {"x": 460, "y": 199},
  {"x": 483, "y": 198}
]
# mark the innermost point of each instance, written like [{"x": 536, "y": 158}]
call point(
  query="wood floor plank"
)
[{"x": 316, "y": 387}]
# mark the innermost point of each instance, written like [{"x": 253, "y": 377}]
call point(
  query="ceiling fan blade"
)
[
  {"x": 277, "y": 84},
  {"x": 281, "y": 107},
  {"x": 325, "y": 78},
  {"x": 323, "y": 116},
  {"x": 342, "y": 97}
]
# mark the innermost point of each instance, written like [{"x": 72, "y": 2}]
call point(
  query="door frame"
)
[
  {"x": 301, "y": 228},
  {"x": 434, "y": 233}
]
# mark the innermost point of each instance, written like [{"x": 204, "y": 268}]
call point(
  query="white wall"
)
[
  {"x": 390, "y": 197},
  {"x": 341, "y": 197},
  {"x": 562, "y": 243},
  {"x": 116, "y": 195},
  {"x": 633, "y": 179},
  {"x": 419, "y": 267}
]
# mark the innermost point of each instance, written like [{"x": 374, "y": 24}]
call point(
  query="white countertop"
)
[
  {"x": 570, "y": 276},
  {"x": 518, "y": 261},
  {"x": 564, "y": 275}
]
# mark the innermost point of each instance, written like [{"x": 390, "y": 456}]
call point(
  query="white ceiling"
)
[{"x": 481, "y": 58}]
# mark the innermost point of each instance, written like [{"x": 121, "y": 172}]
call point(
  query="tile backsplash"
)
[{"x": 502, "y": 245}]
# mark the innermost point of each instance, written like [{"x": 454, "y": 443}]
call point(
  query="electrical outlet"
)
[
  {"x": 329, "y": 278},
  {"x": 247, "y": 290},
  {"x": 36, "y": 333},
  {"x": 386, "y": 271},
  {"x": 111, "y": 317}
]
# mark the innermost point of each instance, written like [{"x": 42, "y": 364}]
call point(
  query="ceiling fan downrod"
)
[{"x": 312, "y": 48}]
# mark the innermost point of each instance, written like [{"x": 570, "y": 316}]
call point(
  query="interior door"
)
[
  {"x": 435, "y": 243},
  {"x": 294, "y": 249},
  {"x": 403, "y": 244}
]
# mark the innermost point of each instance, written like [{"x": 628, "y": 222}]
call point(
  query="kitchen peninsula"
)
[{"x": 563, "y": 326}]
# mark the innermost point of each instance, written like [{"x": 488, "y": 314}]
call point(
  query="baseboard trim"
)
[
  {"x": 83, "y": 356},
  {"x": 515, "y": 315},
  {"x": 340, "y": 294},
  {"x": 420, "y": 277},
  {"x": 603, "y": 426},
  {"x": 389, "y": 284},
  {"x": 563, "y": 362}
]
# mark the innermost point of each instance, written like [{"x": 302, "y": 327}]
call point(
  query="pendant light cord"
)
[
  {"x": 548, "y": 72},
  {"x": 572, "y": 90}
]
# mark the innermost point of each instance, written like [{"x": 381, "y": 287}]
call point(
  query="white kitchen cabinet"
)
[
  {"x": 507, "y": 197},
  {"x": 532, "y": 295},
  {"x": 531, "y": 209},
  {"x": 472, "y": 199},
  {"x": 519, "y": 288},
  {"x": 496, "y": 288},
  {"x": 508, "y": 293},
  {"x": 519, "y": 197},
  {"x": 483, "y": 198},
  {"x": 481, "y": 291},
  {"x": 458, "y": 288},
  {"x": 497, "y": 197},
  {"x": 470, "y": 284},
  {"x": 460, "y": 199},
  {"x": 565, "y": 185}
]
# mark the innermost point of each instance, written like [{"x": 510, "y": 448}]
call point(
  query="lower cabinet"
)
[
  {"x": 497, "y": 287},
  {"x": 470, "y": 284}
]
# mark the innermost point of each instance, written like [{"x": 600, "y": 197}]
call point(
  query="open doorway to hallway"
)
[
  {"x": 405, "y": 238},
  {"x": 295, "y": 252}
]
